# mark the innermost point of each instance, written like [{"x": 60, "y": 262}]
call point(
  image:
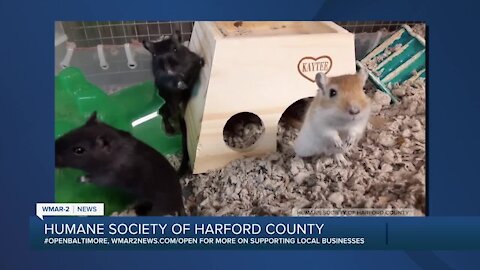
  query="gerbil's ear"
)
[
  {"x": 362, "y": 74},
  {"x": 321, "y": 80},
  {"x": 148, "y": 45},
  {"x": 102, "y": 142},
  {"x": 93, "y": 119},
  {"x": 177, "y": 37}
]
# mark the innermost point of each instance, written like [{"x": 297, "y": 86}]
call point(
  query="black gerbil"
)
[
  {"x": 114, "y": 158},
  {"x": 176, "y": 70}
]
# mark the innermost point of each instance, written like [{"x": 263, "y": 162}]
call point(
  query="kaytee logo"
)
[{"x": 309, "y": 66}]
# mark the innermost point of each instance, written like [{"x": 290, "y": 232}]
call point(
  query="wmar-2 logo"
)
[{"x": 309, "y": 66}]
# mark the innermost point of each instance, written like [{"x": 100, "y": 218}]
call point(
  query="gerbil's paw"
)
[
  {"x": 143, "y": 208},
  {"x": 182, "y": 85},
  {"x": 350, "y": 141},
  {"x": 337, "y": 143},
  {"x": 170, "y": 130},
  {"x": 84, "y": 179},
  {"x": 340, "y": 159}
]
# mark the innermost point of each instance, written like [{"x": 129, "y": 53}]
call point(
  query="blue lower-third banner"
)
[{"x": 254, "y": 233}]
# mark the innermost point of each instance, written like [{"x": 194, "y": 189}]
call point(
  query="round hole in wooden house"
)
[
  {"x": 294, "y": 114},
  {"x": 291, "y": 122},
  {"x": 243, "y": 130}
]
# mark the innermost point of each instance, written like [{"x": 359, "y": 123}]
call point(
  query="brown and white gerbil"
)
[{"x": 336, "y": 118}]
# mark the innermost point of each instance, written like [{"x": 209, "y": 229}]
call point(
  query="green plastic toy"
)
[
  {"x": 406, "y": 60},
  {"x": 133, "y": 109}
]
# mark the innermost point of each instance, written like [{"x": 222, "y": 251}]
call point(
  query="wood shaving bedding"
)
[
  {"x": 243, "y": 130},
  {"x": 420, "y": 29}
]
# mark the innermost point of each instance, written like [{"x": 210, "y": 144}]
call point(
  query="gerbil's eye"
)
[
  {"x": 175, "y": 49},
  {"x": 78, "y": 150},
  {"x": 333, "y": 92}
]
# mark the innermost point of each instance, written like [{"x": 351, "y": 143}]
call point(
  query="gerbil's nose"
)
[{"x": 353, "y": 110}]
